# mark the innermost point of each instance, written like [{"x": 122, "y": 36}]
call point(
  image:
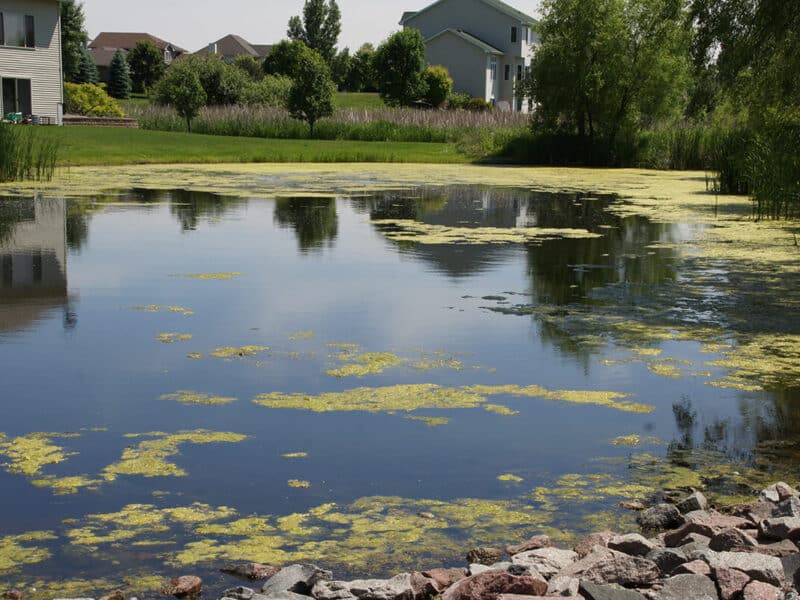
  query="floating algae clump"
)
[
  {"x": 500, "y": 409},
  {"x": 15, "y": 550},
  {"x": 237, "y": 351},
  {"x": 627, "y": 440},
  {"x": 430, "y": 421},
  {"x": 771, "y": 360},
  {"x": 154, "y": 308},
  {"x": 366, "y": 364},
  {"x": 30, "y": 453},
  {"x": 600, "y": 398},
  {"x": 149, "y": 457},
  {"x": 298, "y": 483},
  {"x": 189, "y": 397},
  {"x": 173, "y": 338},
  {"x": 67, "y": 485},
  {"x": 212, "y": 276},
  {"x": 301, "y": 335},
  {"x": 511, "y": 478},
  {"x": 295, "y": 455}
]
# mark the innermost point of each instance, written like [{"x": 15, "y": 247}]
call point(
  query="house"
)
[
  {"x": 106, "y": 44},
  {"x": 231, "y": 46},
  {"x": 485, "y": 44},
  {"x": 30, "y": 59}
]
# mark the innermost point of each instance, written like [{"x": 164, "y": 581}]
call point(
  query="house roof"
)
[
  {"x": 234, "y": 45},
  {"x": 127, "y": 41},
  {"x": 102, "y": 56},
  {"x": 497, "y": 4},
  {"x": 469, "y": 38}
]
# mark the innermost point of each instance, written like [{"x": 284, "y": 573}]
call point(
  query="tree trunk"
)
[{"x": 189, "y": 124}]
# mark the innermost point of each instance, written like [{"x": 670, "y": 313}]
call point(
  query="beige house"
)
[
  {"x": 485, "y": 44},
  {"x": 30, "y": 59},
  {"x": 105, "y": 46},
  {"x": 231, "y": 46}
]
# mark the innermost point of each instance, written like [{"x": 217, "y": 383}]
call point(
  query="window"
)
[
  {"x": 17, "y": 30},
  {"x": 519, "y": 73},
  {"x": 507, "y": 72},
  {"x": 493, "y": 69},
  {"x": 17, "y": 96},
  {"x": 525, "y": 34},
  {"x": 513, "y": 34}
]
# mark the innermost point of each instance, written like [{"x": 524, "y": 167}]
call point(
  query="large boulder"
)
[
  {"x": 490, "y": 584},
  {"x": 296, "y": 578},
  {"x": 730, "y": 539},
  {"x": 667, "y": 559},
  {"x": 758, "y": 590},
  {"x": 251, "y": 571},
  {"x": 632, "y": 543},
  {"x": 609, "y": 566},
  {"x": 545, "y": 561},
  {"x": 688, "y": 587},
  {"x": 660, "y": 516},
  {"x": 694, "y": 502},
  {"x": 731, "y": 582},
  {"x": 534, "y": 543},
  {"x": 587, "y": 544},
  {"x": 396, "y": 588},
  {"x": 779, "y": 528},
  {"x": 758, "y": 566},
  {"x": 594, "y": 591}
]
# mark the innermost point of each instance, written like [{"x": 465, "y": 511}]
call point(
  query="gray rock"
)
[
  {"x": 633, "y": 544},
  {"x": 667, "y": 559},
  {"x": 282, "y": 596},
  {"x": 594, "y": 591},
  {"x": 396, "y": 588},
  {"x": 730, "y": 539},
  {"x": 546, "y": 561},
  {"x": 587, "y": 544},
  {"x": 502, "y": 565},
  {"x": 563, "y": 586},
  {"x": 240, "y": 593},
  {"x": 758, "y": 590},
  {"x": 609, "y": 566},
  {"x": 777, "y": 492},
  {"x": 695, "y": 551},
  {"x": 296, "y": 578},
  {"x": 534, "y": 543},
  {"x": 686, "y": 587},
  {"x": 520, "y": 570},
  {"x": 787, "y": 508},
  {"x": 778, "y": 528},
  {"x": 661, "y": 516},
  {"x": 475, "y": 568},
  {"x": 758, "y": 566},
  {"x": 694, "y": 502},
  {"x": 791, "y": 569},
  {"x": 698, "y": 539}
]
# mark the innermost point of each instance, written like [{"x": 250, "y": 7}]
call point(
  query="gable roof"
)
[
  {"x": 235, "y": 45},
  {"x": 496, "y": 4},
  {"x": 127, "y": 41},
  {"x": 469, "y": 38}
]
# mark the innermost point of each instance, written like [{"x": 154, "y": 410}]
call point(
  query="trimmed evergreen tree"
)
[
  {"x": 119, "y": 78},
  {"x": 87, "y": 70}
]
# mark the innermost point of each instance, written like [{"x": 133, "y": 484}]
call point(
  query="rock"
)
[
  {"x": 587, "y": 544},
  {"x": 281, "y": 596},
  {"x": 526, "y": 597},
  {"x": 787, "y": 508},
  {"x": 186, "y": 585},
  {"x": 484, "y": 556},
  {"x": 778, "y": 528},
  {"x": 696, "y": 567},
  {"x": 758, "y": 590},
  {"x": 758, "y": 566},
  {"x": 715, "y": 520},
  {"x": 777, "y": 549},
  {"x": 729, "y": 539},
  {"x": 117, "y": 595},
  {"x": 694, "y": 502},
  {"x": 546, "y": 561},
  {"x": 778, "y": 492},
  {"x": 426, "y": 515},
  {"x": 594, "y": 591},
  {"x": 474, "y": 569},
  {"x": 633, "y": 544},
  {"x": 503, "y": 565},
  {"x": 731, "y": 582},
  {"x": 685, "y": 587},
  {"x": 534, "y": 543},
  {"x": 240, "y": 593},
  {"x": 425, "y": 587},
  {"x": 444, "y": 578},
  {"x": 632, "y": 505},
  {"x": 251, "y": 571},
  {"x": 522, "y": 570},
  {"x": 661, "y": 516},
  {"x": 791, "y": 569},
  {"x": 397, "y": 588},
  {"x": 667, "y": 559},
  {"x": 563, "y": 586},
  {"x": 490, "y": 583},
  {"x": 296, "y": 578},
  {"x": 695, "y": 540},
  {"x": 676, "y": 538},
  {"x": 609, "y": 566},
  {"x": 12, "y": 595}
]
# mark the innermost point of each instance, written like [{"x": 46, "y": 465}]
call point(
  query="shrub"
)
[
  {"x": 269, "y": 91},
  {"x": 478, "y": 105},
  {"x": 438, "y": 84},
  {"x": 89, "y": 100},
  {"x": 458, "y": 101}
]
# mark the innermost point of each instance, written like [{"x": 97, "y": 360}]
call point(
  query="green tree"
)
[
  {"x": 284, "y": 58},
  {"x": 605, "y": 66},
  {"x": 311, "y": 96},
  {"x": 341, "y": 66},
  {"x": 399, "y": 65},
  {"x": 87, "y": 70},
  {"x": 249, "y": 66},
  {"x": 146, "y": 63},
  {"x": 223, "y": 84},
  {"x": 119, "y": 77},
  {"x": 362, "y": 73},
  {"x": 438, "y": 84},
  {"x": 319, "y": 27},
  {"x": 181, "y": 88},
  {"x": 73, "y": 38}
]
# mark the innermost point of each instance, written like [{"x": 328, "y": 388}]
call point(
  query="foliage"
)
[
  {"x": 399, "y": 64},
  {"x": 119, "y": 76},
  {"x": 73, "y": 38},
  {"x": 362, "y": 77},
  {"x": 249, "y": 66},
  {"x": 89, "y": 100},
  {"x": 87, "y": 70},
  {"x": 311, "y": 95},
  {"x": 222, "y": 83},
  {"x": 146, "y": 65},
  {"x": 284, "y": 58},
  {"x": 478, "y": 105},
  {"x": 774, "y": 165},
  {"x": 25, "y": 153},
  {"x": 458, "y": 101},
  {"x": 182, "y": 89},
  {"x": 438, "y": 84},
  {"x": 319, "y": 28},
  {"x": 268, "y": 91},
  {"x": 341, "y": 65}
]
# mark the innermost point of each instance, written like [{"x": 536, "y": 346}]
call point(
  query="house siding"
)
[
  {"x": 469, "y": 71},
  {"x": 42, "y": 64}
]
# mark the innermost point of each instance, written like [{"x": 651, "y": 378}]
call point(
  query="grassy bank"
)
[{"x": 110, "y": 146}]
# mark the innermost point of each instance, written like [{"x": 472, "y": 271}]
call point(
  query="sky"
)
[{"x": 193, "y": 25}]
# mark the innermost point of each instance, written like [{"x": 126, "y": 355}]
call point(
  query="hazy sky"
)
[{"x": 192, "y": 24}]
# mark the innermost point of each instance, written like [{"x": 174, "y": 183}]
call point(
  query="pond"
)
[{"x": 374, "y": 370}]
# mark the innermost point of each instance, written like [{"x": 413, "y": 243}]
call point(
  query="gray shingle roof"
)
[{"x": 497, "y": 4}]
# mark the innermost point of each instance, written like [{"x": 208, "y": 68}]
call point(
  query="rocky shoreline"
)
[{"x": 693, "y": 552}]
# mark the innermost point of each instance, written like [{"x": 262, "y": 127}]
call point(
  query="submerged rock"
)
[
  {"x": 186, "y": 585},
  {"x": 483, "y": 555},
  {"x": 661, "y": 516},
  {"x": 251, "y": 571}
]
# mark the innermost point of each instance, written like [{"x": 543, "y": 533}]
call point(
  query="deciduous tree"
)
[
  {"x": 146, "y": 63},
  {"x": 311, "y": 96},
  {"x": 181, "y": 88},
  {"x": 319, "y": 27},
  {"x": 399, "y": 64}
]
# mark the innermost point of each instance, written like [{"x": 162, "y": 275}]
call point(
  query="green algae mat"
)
[{"x": 374, "y": 367}]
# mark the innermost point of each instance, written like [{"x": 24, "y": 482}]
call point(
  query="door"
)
[{"x": 17, "y": 96}]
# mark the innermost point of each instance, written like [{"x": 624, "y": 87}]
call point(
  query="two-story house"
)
[
  {"x": 30, "y": 59},
  {"x": 105, "y": 46},
  {"x": 485, "y": 44}
]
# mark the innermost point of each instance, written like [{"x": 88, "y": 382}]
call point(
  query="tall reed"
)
[{"x": 25, "y": 154}]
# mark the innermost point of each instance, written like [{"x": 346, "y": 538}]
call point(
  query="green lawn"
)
[
  {"x": 111, "y": 146},
  {"x": 361, "y": 100}
]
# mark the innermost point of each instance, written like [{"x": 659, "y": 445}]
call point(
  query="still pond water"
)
[{"x": 190, "y": 380}]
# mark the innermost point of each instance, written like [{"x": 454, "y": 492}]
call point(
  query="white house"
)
[
  {"x": 485, "y": 44},
  {"x": 30, "y": 59}
]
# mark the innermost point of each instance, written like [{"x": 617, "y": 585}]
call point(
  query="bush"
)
[
  {"x": 269, "y": 91},
  {"x": 478, "y": 105},
  {"x": 458, "y": 101},
  {"x": 89, "y": 100},
  {"x": 438, "y": 84},
  {"x": 181, "y": 89}
]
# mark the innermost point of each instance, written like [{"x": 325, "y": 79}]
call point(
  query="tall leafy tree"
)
[
  {"x": 341, "y": 66},
  {"x": 146, "y": 64},
  {"x": 284, "y": 58},
  {"x": 311, "y": 96},
  {"x": 87, "y": 69},
  {"x": 362, "y": 72},
  {"x": 249, "y": 66},
  {"x": 319, "y": 27},
  {"x": 399, "y": 64},
  {"x": 119, "y": 77},
  {"x": 73, "y": 38}
]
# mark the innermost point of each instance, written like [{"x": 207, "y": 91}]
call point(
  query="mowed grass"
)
[
  {"x": 357, "y": 100},
  {"x": 112, "y": 146}
]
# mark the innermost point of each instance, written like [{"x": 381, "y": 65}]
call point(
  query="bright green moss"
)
[
  {"x": 29, "y": 454},
  {"x": 189, "y": 397}
]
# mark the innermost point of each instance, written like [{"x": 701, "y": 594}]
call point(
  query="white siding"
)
[
  {"x": 466, "y": 63},
  {"x": 42, "y": 64}
]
